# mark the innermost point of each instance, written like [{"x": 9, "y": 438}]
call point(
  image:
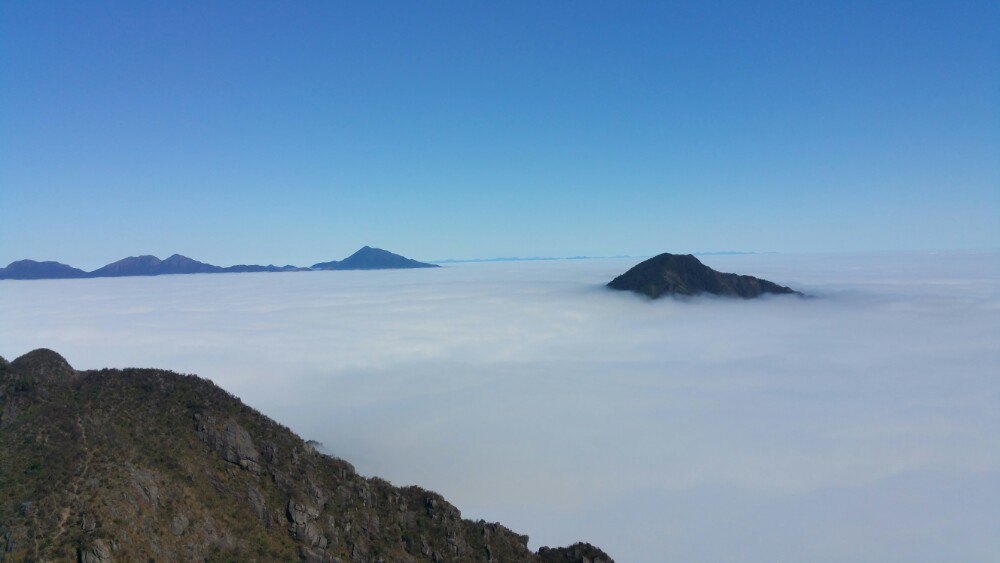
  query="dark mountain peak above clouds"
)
[
  {"x": 32, "y": 270},
  {"x": 178, "y": 264},
  {"x": 683, "y": 274},
  {"x": 369, "y": 258},
  {"x": 139, "y": 464},
  {"x": 145, "y": 265}
]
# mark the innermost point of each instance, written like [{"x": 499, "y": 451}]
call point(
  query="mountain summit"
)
[
  {"x": 683, "y": 274},
  {"x": 143, "y": 464},
  {"x": 369, "y": 258}
]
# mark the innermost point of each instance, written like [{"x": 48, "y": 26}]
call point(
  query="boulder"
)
[
  {"x": 145, "y": 484},
  {"x": 99, "y": 552},
  {"x": 179, "y": 525}
]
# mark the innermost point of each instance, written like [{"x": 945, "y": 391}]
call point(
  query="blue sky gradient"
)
[{"x": 297, "y": 132}]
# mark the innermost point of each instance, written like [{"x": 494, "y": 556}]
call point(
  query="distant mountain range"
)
[
  {"x": 683, "y": 274},
  {"x": 367, "y": 258}
]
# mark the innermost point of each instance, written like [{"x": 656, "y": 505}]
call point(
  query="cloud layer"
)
[{"x": 861, "y": 424}]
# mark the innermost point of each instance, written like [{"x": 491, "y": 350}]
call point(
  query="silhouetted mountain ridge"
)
[
  {"x": 245, "y": 268},
  {"x": 153, "y": 266},
  {"x": 367, "y": 258}
]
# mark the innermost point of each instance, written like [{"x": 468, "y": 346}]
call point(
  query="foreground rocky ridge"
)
[{"x": 142, "y": 464}]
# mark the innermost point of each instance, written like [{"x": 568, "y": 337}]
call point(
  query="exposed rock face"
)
[
  {"x": 258, "y": 504},
  {"x": 99, "y": 552},
  {"x": 133, "y": 465},
  {"x": 179, "y": 525},
  {"x": 144, "y": 483},
  {"x": 677, "y": 274},
  {"x": 231, "y": 440}
]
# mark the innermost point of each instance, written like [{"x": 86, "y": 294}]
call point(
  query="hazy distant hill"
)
[
  {"x": 369, "y": 258},
  {"x": 683, "y": 274},
  {"x": 32, "y": 270},
  {"x": 242, "y": 268},
  {"x": 153, "y": 266},
  {"x": 143, "y": 464}
]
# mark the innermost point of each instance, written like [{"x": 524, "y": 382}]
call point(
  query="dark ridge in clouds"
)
[
  {"x": 857, "y": 426},
  {"x": 684, "y": 275}
]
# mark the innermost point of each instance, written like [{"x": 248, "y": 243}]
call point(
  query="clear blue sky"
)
[{"x": 299, "y": 131}]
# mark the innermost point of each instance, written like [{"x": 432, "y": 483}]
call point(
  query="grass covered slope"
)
[{"x": 141, "y": 464}]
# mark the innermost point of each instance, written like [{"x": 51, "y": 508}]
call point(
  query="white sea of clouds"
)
[{"x": 862, "y": 424}]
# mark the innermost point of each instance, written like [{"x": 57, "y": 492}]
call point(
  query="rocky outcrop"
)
[
  {"x": 179, "y": 525},
  {"x": 230, "y": 440},
  {"x": 576, "y": 553},
  {"x": 685, "y": 275},
  {"x": 98, "y": 552},
  {"x": 302, "y": 524},
  {"x": 12, "y": 540},
  {"x": 144, "y": 484}
]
